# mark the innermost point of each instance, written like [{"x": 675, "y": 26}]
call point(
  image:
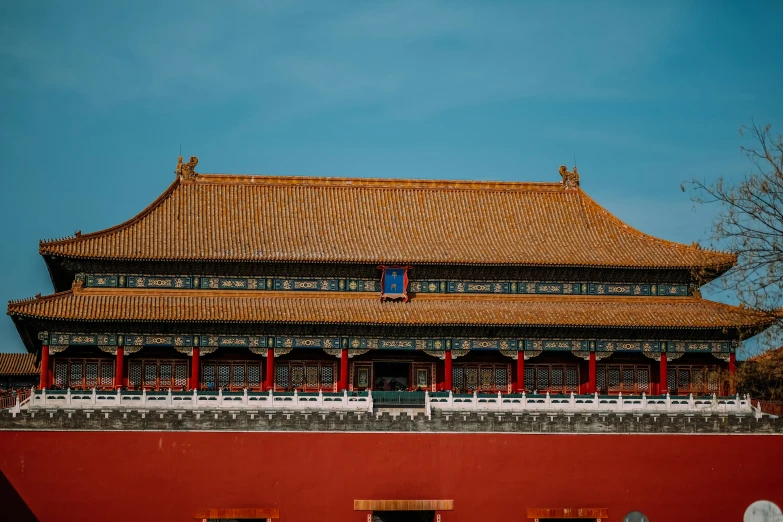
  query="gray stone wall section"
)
[{"x": 413, "y": 422}]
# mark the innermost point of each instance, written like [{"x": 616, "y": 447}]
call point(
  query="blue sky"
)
[{"x": 97, "y": 97}]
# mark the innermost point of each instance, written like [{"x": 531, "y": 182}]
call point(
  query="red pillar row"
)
[
  {"x": 269, "y": 382},
  {"x": 119, "y": 368},
  {"x": 732, "y": 373},
  {"x": 44, "y": 382},
  {"x": 520, "y": 372},
  {"x": 195, "y": 370},
  {"x": 592, "y": 372},
  {"x": 343, "y": 383},
  {"x": 447, "y": 385},
  {"x": 663, "y": 386}
]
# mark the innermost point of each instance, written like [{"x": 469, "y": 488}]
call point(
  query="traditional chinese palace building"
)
[{"x": 235, "y": 286}]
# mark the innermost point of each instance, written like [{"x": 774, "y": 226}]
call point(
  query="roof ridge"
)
[{"x": 382, "y": 183}]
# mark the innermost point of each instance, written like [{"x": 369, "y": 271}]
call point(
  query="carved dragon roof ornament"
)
[
  {"x": 187, "y": 170},
  {"x": 570, "y": 179}
]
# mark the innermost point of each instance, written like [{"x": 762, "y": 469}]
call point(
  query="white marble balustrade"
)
[
  {"x": 97, "y": 399},
  {"x": 588, "y": 403},
  {"x": 363, "y": 402}
]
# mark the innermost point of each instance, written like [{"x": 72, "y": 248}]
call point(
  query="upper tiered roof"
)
[{"x": 342, "y": 220}]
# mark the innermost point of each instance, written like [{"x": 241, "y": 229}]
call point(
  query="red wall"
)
[{"x": 135, "y": 476}]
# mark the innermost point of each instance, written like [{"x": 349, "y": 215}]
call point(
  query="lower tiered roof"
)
[{"x": 144, "y": 305}]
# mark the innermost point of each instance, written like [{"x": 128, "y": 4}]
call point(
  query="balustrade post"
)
[
  {"x": 245, "y": 401},
  {"x": 475, "y": 400},
  {"x": 67, "y": 396},
  {"x": 524, "y": 399},
  {"x": 169, "y": 399},
  {"x": 119, "y": 369},
  {"x": 220, "y": 397},
  {"x": 548, "y": 399},
  {"x": 143, "y": 396},
  {"x": 451, "y": 400},
  {"x": 94, "y": 397},
  {"x": 668, "y": 401},
  {"x": 320, "y": 398},
  {"x": 572, "y": 401},
  {"x": 44, "y": 370},
  {"x": 592, "y": 371}
]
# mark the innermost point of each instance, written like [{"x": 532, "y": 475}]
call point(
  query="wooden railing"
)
[
  {"x": 772, "y": 407},
  {"x": 14, "y": 399}
]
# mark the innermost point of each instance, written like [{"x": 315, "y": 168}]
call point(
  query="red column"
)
[
  {"x": 269, "y": 382},
  {"x": 732, "y": 373},
  {"x": 343, "y": 384},
  {"x": 663, "y": 380},
  {"x": 447, "y": 371},
  {"x": 44, "y": 383},
  {"x": 520, "y": 372},
  {"x": 119, "y": 368},
  {"x": 591, "y": 371},
  {"x": 195, "y": 370}
]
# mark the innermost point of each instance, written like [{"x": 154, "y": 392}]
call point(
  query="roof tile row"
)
[{"x": 349, "y": 308}]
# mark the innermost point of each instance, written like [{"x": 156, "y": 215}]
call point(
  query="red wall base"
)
[{"x": 139, "y": 476}]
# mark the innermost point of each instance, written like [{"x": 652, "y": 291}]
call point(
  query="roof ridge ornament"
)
[
  {"x": 187, "y": 170},
  {"x": 570, "y": 179}
]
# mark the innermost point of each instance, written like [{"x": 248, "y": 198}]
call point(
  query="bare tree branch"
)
[{"x": 749, "y": 222}]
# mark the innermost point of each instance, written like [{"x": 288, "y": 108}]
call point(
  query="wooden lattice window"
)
[
  {"x": 231, "y": 375},
  {"x": 695, "y": 379},
  {"x": 305, "y": 375},
  {"x": 84, "y": 374},
  {"x": 491, "y": 378},
  {"x": 623, "y": 378},
  {"x": 552, "y": 378},
  {"x": 154, "y": 374}
]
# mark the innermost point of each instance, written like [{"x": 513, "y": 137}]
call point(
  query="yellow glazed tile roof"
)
[
  {"x": 18, "y": 364},
  {"x": 216, "y": 306},
  {"x": 264, "y": 218}
]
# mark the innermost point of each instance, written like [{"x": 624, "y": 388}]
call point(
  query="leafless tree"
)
[{"x": 749, "y": 222}]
